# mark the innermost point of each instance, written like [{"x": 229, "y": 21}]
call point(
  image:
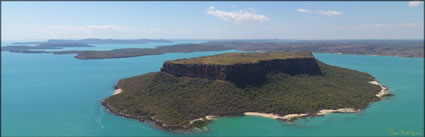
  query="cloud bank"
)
[
  {"x": 415, "y": 3},
  {"x": 321, "y": 12},
  {"x": 240, "y": 16}
]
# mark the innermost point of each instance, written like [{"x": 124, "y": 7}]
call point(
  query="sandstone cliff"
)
[{"x": 244, "y": 72}]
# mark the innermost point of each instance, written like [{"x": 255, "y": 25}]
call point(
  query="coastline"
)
[
  {"x": 150, "y": 120},
  {"x": 288, "y": 117},
  {"x": 383, "y": 91},
  {"x": 291, "y": 117}
]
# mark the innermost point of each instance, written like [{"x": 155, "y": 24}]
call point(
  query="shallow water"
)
[{"x": 45, "y": 94}]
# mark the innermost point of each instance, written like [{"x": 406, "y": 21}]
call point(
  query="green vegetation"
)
[
  {"x": 172, "y": 102},
  {"x": 239, "y": 58},
  {"x": 200, "y": 123}
]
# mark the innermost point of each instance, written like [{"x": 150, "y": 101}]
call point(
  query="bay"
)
[{"x": 58, "y": 95}]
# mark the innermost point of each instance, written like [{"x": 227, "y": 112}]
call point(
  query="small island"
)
[{"x": 189, "y": 93}]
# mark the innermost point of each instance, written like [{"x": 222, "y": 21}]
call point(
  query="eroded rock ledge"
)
[{"x": 243, "y": 71}]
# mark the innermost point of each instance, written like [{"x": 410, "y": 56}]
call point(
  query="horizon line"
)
[{"x": 210, "y": 39}]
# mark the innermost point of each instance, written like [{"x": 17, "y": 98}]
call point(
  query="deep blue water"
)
[{"x": 45, "y": 94}]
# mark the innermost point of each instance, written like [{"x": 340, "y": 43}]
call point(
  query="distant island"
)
[
  {"x": 189, "y": 93},
  {"x": 400, "y": 48},
  {"x": 63, "y": 43}
]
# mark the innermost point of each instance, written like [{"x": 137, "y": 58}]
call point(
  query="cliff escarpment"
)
[{"x": 243, "y": 72}]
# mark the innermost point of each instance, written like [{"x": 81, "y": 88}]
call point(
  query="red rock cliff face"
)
[{"x": 244, "y": 73}]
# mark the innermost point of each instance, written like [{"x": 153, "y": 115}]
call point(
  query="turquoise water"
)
[{"x": 45, "y": 94}]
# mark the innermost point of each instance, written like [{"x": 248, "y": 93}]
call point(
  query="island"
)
[
  {"x": 189, "y": 93},
  {"x": 63, "y": 43},
  {"x": 399, "y": 48},
  {"x": 134, "y": 52}
]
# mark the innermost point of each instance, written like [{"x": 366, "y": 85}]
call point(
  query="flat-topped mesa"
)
[{"x": 243, "y": 67}]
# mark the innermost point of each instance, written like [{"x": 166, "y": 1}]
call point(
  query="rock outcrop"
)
[{"x": 249, "y": 73}]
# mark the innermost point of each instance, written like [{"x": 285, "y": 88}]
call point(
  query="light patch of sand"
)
[
  {"x": 374, "y": 82},
  {"x": 341, "y": 110},
  {"x": 383, "y": 91},
  {"x": 117, "y": 91},
  {"x": 286, "y": 117},
  {"x": 293, "y": 116},
  {"x": 274, "y": 116},
  {"x": 209, "y": 117},
  {"x": 190, "y": 122}
]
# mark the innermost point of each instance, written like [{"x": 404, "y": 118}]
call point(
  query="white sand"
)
[
  {"x": 292, "y": 116},
  {"x": 190, "y": 122},
  {"x": 117, "y": 91},
  {"x": 383, "y": 91},
  {"x": 341, "y": 110},
  {"x": 211, "y": 117},
  {"x": 274, "y": 116},
  {"x": 374, "y": 82},
  {"x": 287, "y": 117}
]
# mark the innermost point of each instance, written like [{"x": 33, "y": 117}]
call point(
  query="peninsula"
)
[{"x": 189, "y": 93}]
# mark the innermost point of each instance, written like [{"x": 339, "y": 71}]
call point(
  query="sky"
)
[{"x": 212, "y": 20}]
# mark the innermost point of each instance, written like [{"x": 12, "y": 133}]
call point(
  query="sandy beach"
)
[
  {"x": 274, "y": 116},
  {"x": 341, "y": 110},
  {"x": 383, "y": 91},
  {"x": 117, "y": 91},
  {"x": 209, "y": 117}
]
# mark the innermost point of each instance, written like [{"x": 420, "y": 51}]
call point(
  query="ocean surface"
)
[{"x": 58, "y": 95}]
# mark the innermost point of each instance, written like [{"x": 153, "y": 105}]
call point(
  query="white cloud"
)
[
  {"x": 330, "y": 12},
  {"x": 303, "y": 10},
  {"x": 81, "y": 30},
  {"x": 321, "y": 12},
  {"x": 415, "y": 3},
  {"x": 403, "y": 25},
  {"x": 240, "y": 16},
  {"x": 154, "y": 30}
]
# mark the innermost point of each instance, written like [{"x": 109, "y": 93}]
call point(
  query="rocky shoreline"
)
[{"x": 151, "y": 121}]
